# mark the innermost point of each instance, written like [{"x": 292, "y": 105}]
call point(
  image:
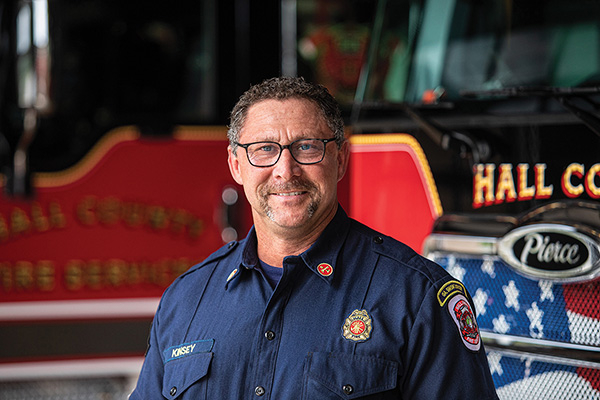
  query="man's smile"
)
[
  {"x": 298, "y": 187},
  {"x": 288, "y": 193}
]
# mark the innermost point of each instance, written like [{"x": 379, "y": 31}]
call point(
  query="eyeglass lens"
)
[{"x": 305, "y": 151}]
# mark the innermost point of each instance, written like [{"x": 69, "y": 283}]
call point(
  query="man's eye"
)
[
  {"x": 305, "y": 146},
  {"x": 266, "y": 148}
]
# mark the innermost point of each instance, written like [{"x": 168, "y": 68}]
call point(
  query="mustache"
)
[{"x": 297, "y": 185}]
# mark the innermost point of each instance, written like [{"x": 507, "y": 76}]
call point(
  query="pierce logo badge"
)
[
  {"x": 325, "y": 269},
  {"x": 464, "y": 318},
  {"x": 551, "y": 251},
  {"x": 358, "y": 326}
]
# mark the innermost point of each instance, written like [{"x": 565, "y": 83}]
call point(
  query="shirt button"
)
[
  {"x": 348, "y": 389},
  {"x": 173, "y": 391},
  {"x": 259, "y": 390},
  {"x": 378, "y": 240},
  {"x": 270, "y": 335}
]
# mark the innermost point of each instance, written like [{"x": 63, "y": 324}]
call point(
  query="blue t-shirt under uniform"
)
[{"x": 272, "y": 274}]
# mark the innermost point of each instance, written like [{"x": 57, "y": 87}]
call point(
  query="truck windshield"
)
[{"x": 438, "y": 49}]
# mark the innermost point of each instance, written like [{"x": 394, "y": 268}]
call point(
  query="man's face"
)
[{"x": 289, "y": 196}]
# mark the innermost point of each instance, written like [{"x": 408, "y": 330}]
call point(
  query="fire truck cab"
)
[{"x": 503, "y": 98}]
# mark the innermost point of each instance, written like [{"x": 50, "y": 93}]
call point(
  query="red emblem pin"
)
[
  {"x": 325, "y": 269},
  {"x": 358, "y": 327}
]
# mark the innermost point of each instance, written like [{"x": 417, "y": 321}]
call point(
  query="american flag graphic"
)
[{"x": 510, "y": 304}]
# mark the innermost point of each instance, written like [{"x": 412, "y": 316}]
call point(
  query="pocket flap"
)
[
  {"x": 183, "y": 372},
  {"x": 351, "y": 376}
]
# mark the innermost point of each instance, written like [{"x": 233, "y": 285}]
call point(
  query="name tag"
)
[{"x": 188, "y": 349}]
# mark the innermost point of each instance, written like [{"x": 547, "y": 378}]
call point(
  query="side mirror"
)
[{"x": 32, "y": 72}]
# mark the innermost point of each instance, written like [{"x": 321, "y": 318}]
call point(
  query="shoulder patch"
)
[
  {"x": 464, "y": 318},
  {"x": 449, "y": 290}
]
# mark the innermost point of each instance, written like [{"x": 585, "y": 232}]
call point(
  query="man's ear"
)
[
  {"x": 234, "y": 166},
  {"x": 343, "y": 159}
]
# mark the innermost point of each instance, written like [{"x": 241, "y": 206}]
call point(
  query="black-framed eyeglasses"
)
[{"x": 304, "y": 151}]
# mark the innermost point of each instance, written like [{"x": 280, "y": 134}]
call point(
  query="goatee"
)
[{"x": 297, "y": 185}]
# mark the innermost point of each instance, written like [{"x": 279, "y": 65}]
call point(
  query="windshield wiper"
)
[
  {"x": 463, "y": 144},
  {"x": 564, "y": 95}
]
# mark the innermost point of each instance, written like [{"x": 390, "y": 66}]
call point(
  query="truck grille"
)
[{"x": 542, "y": 337}]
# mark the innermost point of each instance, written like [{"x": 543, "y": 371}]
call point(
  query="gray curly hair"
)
[{"x": 283, "y": 88}]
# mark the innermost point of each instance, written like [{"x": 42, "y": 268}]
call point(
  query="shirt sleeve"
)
[
  {"x": 149, "y": 384},
  {"x": 445, "y": 357}
]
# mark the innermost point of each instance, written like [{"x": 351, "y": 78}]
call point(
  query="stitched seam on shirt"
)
[
  {"x": 200, "y": 300},
  {"x": 425, "y": 273},
  {"x": 382, "y": 363}
]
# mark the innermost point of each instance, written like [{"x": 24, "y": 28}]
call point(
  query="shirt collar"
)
[
  {"x": 247, "y": 260},
  {"x": 321, "y": 257},
  {"x": 249, "y": 255}
]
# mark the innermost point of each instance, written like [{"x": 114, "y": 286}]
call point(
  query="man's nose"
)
[{"x": 287, "y": 166}]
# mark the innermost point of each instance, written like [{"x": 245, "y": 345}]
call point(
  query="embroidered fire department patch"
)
[
  {"x": 325, "y": 269},
  {"x": 358, "y": 326},
  {"x": 464, "y": 318}
]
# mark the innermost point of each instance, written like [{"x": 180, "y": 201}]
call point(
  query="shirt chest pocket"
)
[
  {"x": 185, "y": 375},
  {"x": 333, "y": 376}
]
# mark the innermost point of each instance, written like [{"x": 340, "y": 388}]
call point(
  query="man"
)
[{"x": 311, "y": 304}]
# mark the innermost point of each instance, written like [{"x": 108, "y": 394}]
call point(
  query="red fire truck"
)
[
  {"x": 502, "y": 96},
  {"x": 114, "y": 180}
]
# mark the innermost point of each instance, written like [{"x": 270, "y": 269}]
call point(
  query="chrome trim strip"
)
[
  {"x": 544, "y": 350},
  {"x": 480, "y": 245},
  {"x": 78, "y": 309},
  {"x": 72, "y": 369}
]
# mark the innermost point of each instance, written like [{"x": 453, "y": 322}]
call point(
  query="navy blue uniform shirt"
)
[{"x": 356, "y": 316}]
